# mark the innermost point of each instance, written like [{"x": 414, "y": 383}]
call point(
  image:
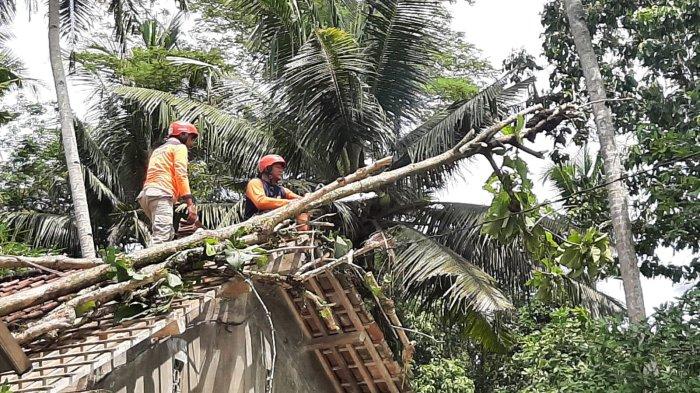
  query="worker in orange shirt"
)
[
  {"x": 167, "y": 181},
  {"x": 264, "y": 192}
]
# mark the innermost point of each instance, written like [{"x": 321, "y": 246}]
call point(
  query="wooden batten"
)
[{"x": 12, "y": 358}]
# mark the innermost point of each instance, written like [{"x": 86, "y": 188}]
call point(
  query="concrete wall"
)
[{"x": 225, "y": 356}]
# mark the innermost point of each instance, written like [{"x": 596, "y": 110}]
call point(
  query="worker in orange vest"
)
[
  {"x": 167, "y": 181},
  {"x": 264, "y": 192}
]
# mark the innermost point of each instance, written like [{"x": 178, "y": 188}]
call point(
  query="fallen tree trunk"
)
[
  {"x": 65, "y": 315},
  {"x": 259, "y": 227}
]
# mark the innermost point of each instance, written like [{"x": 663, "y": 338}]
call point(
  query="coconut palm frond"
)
[
  {"x": 421, "y": 259},
  {"x": 100, "y": 167},
  {"x": 154, "y": 34},
  {"x": 444, "y": 129},
  {"x": 248, "y": 99},
  {"x": 76, "y": 16},
  {"x": 7, "y": 11},
  {"x": 42, "y": 230},
  {"x": 565, "y": 290},
  {"x": 237, "y": 140},
  {"x": 98, "y": 188},
  {"x": 129, "y": 229},
  {"x": 401, "y": 38},
  {"x": 217, "y": 215},
  {"x": 12, "y": 68},
  {"x": 458, "y": 227},
  {"x": 279, "y": 30},
  {"x": 441, "y": 279},
  {"x": 325, "y": 92},
  {"x": 349, "y": 221},
  {"x": 126, "y": 18}
]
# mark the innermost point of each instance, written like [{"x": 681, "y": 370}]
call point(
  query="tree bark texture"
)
[
  {"x": 617, "y": 192},
  {"x": 70, "y": 146}
]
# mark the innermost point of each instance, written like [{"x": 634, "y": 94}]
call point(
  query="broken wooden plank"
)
[{"x": 11, "y": 355}]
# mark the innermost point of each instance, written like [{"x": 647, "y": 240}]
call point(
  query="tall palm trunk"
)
[
  {"x": 75, "y": 175},
  {"x": 617, "y": 193}
]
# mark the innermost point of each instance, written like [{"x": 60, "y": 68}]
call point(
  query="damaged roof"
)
[{"x": 355, "y": 336}]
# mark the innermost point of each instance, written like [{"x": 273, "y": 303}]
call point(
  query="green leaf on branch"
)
[
  {"x": 131, "y": 310},
  {"x": 520, "y": 124},
  {"x": 326, "y": 313},
  {"x": 261, "y": 261},
  {"x": 122, "y": 268},
  {"x": 233, "y": 258},
  {"x": 174, "y": 280},
  {"x": 210, "y": 246},
  {"x": 85, "y": 308},
  {"x": 341, "y": 246}
]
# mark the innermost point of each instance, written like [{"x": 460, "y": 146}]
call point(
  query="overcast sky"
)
[{"x": 497, "y": 27}]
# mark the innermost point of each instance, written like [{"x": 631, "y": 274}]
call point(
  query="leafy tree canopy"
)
[
  {"x": 649, "y": 58},
  {"x": 572, "y": 352}
]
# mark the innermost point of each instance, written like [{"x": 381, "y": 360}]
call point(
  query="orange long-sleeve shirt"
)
[
  {"x": 255, "y": 192},
  {"x": 167, "y": 169}
]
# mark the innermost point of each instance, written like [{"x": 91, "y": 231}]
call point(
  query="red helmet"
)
[
  {"x": 269, "y": 160},
  {"x": 180, "y": 127}
]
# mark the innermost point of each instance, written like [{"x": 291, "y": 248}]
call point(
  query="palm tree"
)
[
  {"x": 11, "y": 72},
  {"x": 70, "y": 146},
  {"x": 617, "y": 192}
]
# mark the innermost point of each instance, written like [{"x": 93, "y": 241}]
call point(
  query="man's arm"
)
[
  {"x": 182, "y": 182},
  {"x": 180, "y": 177},
  {"x": 255, "y": 192},
  {"x": 289, "y": 194}
]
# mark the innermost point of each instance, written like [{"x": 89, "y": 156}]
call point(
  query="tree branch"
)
[{"x": 56, "y": 262}]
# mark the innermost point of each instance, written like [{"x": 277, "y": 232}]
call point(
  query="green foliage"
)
[
  {"x": 443, "y": 353},
  {"x": 153, "y": 300},
  {"x": 85, "y": 308},
  {"x": 238, "y": 255},
  {"x": 453, "y": 289},
  {"x": 153, "y": 67},
  {"x": 574, "y": 353},
  {"x": 585, "y": 254},
  {"x": 122, "y": 268},
  {"x": 11, "y": 78},
  {"x": 341, "y": 246},
  {"x": 452, "y": 88},
  {"x": 8, "y": 246},
  {"x": 443, "y": 376},
  {"x": 209, "y": 246},
  {"x": 34, "y": 174},
  {"x": 568, "y": 267}
]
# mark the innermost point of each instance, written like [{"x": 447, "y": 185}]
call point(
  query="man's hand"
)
[{"x": 191, "y": 213}]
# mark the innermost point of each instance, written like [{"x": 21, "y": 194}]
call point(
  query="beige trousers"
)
[{"x": 159, "y": 209}]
